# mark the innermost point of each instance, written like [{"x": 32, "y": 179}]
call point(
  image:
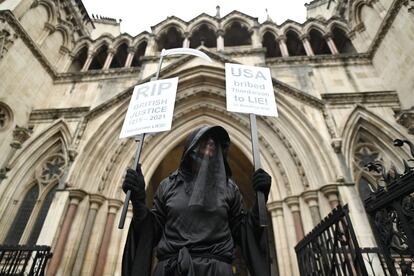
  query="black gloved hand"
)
[
  {"x": 134, "y": 181},
  {"x": 262, "y": 182}
]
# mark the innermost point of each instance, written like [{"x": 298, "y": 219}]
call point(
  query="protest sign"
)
[
  {"x": 249, "y": 89},
  {"x": 151, "y": 108}
]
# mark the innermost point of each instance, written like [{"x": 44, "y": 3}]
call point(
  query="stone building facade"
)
[{"x": 343, "y": 81}]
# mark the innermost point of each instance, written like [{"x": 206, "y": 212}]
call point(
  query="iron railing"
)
[
  {"x": 331, "y": 248},
  {"x": 390, "y": 208},
  {"x": 23, "y": 259}
]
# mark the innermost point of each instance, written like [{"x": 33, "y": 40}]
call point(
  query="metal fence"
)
[
  {"x": 390, "y": 209},
  {"x": 331, "y": 248},
  {"x": 23, "y": 259}
]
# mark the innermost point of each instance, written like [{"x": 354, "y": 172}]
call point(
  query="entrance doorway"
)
[{"x": 242, "y": 170}]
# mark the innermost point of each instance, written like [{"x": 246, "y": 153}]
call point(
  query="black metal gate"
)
[
  {"x": 390, "y": 209},
  {"x": 23, "y": 259},
  {"x": 331, "y": 248}
]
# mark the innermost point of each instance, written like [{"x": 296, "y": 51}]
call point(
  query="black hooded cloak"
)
[{"x": 194, "y": 242}]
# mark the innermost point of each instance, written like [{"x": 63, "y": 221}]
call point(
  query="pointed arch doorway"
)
[{"x": 241, "y": 168}]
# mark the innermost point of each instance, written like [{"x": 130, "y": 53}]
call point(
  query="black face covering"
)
[
  {"x": 209, "y": 173},
  {"x": 204, "y": 166}
]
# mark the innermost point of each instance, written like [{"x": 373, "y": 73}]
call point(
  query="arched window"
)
[
  {"x": 364, "y": 188},
  {"x": 36, "y": 202},
  {"x": 170, "y": 39},
  {"x": 318, "y": 43},
  {"x": 99, "y": 59},
  {"x": 23, "y": 214},
  {"x": 79, "y": 60},
  {"x": 342, "y": 42},
  {"x": 237, "y": 35},
  {"x": 41, "y": 216},
  {"x": 120, "y": 56},
  {"x": 140, "y": 52},
  {"x": 203, "y": 36},
  {"x": 294, "y": 44},
  {"x": 272, "y": 47}
]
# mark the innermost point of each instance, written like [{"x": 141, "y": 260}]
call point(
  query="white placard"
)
[
  {"x": 151, "y": 108},
  {"x": 249, "y": 89}
]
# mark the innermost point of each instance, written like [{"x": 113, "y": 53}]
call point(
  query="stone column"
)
[
  {"x": 152, "y": 46},
  {"x": 108, "y": 60},
  {"x": 64, "y": 53},
  {"x": 113, "y": 205},
  {"x": 48, "y": 29},
  {"x": 186, "y": 42},
  {"x": 256, "y": 42},
  {"x": 220, "y": 40},
  {"x": 130, "y": 57},
  {"x": 282, "y": 247},
  {"x": 306, "y": 45},
  {"x": 331, "y": 193},
  {"x": 88, "y": 62},
  {"x": 331, "y": 43},
  {"x": 20, "y": 135},
  {"x": 282, "y": 45},
  {"x": 75, "y": 197},
  {"x": 311, "y": 198},
  {"x": 95, "y": 202},
  {"x": 293, "y": 203}
]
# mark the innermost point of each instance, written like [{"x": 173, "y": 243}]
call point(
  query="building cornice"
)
[
  {"x": 55, "y": 113},
  {"x": 385, "y": 98}
]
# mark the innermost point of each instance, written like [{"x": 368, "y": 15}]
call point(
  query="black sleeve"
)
[
  {"x": 247, "y": 233},
  {"x": 159, "y": 211}
]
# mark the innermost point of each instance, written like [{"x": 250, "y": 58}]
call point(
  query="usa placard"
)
[
  {"x": 249, "y": 89},
  {"x": 151, "y": 108}
]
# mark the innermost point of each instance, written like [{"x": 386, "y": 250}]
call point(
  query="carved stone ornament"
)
[
  {"x": 7, "y": 38},
  {"x": 51, "y": 169},
  {"x": 20, "y": 135},
  {"x": 406, "y": 119}
]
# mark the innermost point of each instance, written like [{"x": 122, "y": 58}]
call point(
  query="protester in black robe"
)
[{"x": 197, "y": 217}]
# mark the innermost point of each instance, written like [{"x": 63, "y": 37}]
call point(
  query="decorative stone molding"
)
[
  {"x": 76, "y": 195},
  {"x": 293, "y": 203},
  {"x": 20, "y": 135},
  {"x": 51, "y": 169},
  {"x": 336, "y": 144},
  {"x": 385, "y": 98},
  {"x": 115, "y": 204},
  {"x": 310, "y": 197},
  {"x": 406, "y": 119},
  {"x": 96, "y": 200},
  {"x": 331, "y": 193},
  {"x": 275, "y": 206},
  {"x": 49, "y": 27},
  {"x": 7, "y": 37},
  {"x": 56, "y": 113}
]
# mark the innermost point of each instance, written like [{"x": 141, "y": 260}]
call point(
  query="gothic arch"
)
[
  {"x": 82, "y": 43},
  {"x": 271, "y": 29},
  {"x": 27, "y": 169},
  {"x": 236, "y": 18},
  {"x": 199, "y": 23},
  {"x": 381, "y": 131},
  {"x": 121, "y": 40},
  {"x": 291, "y": 27},
  {"x": 51, "y": 10},
  {"x": 316, "y": 26},
  {"x": 171, "y": 37}
]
